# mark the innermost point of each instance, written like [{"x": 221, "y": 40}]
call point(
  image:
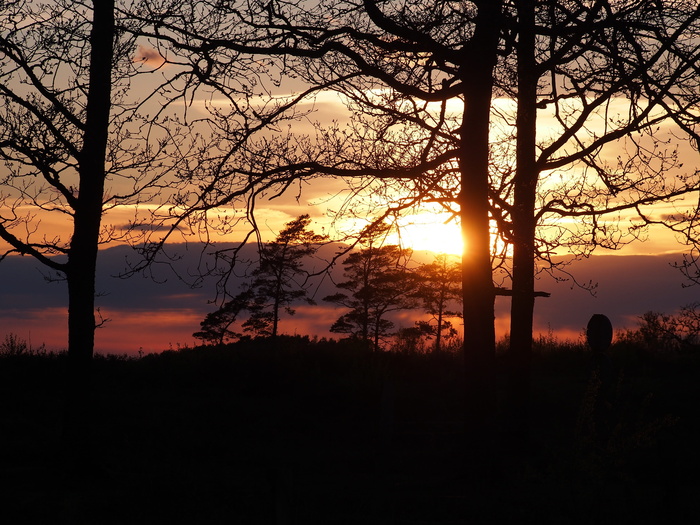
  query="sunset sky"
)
[
  {"x": 149, "y": 316},
  {"x": 155, "y": 316}
]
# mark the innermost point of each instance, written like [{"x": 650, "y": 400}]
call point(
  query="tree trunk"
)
[
  {"x": 276, "y": 312},
  {"x": 477, "y": 280},
  {"x": 82, "y": 256},
  {"x": 365, "y": 304},
  {"x": 524, "y": 225},
  {"x": 438, "y": 336},
  {"x": 376, "y": 333}
]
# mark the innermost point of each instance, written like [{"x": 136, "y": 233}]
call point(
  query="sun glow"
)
[{"x": 429, "y": 231}]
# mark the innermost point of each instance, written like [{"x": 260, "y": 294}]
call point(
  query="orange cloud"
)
[{"x": 149, "y": 56}]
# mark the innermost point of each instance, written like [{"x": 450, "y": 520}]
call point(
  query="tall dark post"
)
[{"x": 599, "y": 334}]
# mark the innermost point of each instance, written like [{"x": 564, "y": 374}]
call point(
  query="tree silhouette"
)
[
  {"x": 439, "y": 289},
  {"x": 215, "y": 326},
  {"x": 405, "y": 67},
  {"x": 378, "y": 283},
  {"x": 678, "y": 332},
  {"x": 280, "y": 278},
  {"x": 419, "y": 77},
  {"x": 88, "y": 126},
  {"x": 573, "y": 66},
  {"x": 58, "y": 65}
]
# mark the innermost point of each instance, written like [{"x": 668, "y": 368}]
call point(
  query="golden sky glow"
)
[
  {"x": 429, "y": 231},
  {"x": 424, "y": 229},
  {"x": 419, "y": 231}
]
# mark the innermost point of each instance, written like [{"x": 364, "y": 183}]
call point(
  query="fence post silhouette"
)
[{"x": 599, "y": 335}]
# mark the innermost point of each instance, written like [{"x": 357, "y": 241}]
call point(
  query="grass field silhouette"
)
[{"x": 305, "y": 431}]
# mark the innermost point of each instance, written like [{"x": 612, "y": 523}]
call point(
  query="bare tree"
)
[
  {"x": 605, "y": 76},
  {"x": 419, "y": 78},
  {"x": 94, "y": 119},
  {"x": 57, "y": 65}
]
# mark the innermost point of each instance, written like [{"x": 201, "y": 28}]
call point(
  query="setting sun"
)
[{"x": 429, "y": 231}]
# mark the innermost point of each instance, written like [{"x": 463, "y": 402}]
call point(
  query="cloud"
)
[
  {"x": 155, "y": 315},
  {"x": 149, "y": 56},
  {"x": 628, "y": 286},
  {"x": 146, "y": 227}
]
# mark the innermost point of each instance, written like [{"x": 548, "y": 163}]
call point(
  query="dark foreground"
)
[{"x": 323, "y": 433}]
